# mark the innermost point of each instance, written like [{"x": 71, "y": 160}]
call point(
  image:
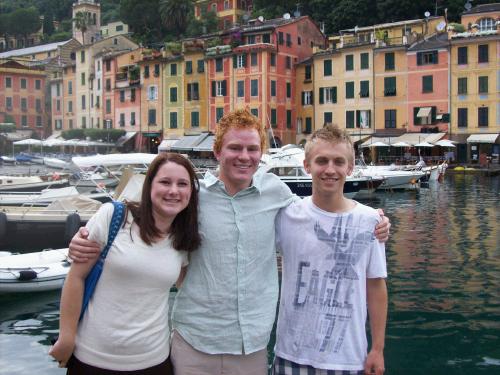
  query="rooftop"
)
[
  {"x": 33, "y": 50},
  {"x": 483, "y": 8}
]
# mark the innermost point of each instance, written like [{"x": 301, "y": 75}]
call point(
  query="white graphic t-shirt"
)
[{"x": 327, "y": 258}]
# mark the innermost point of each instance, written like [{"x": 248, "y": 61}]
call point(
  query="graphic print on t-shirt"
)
[{"x": 327, "y": 285}]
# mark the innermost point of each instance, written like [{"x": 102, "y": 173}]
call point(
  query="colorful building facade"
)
[{"x": 22, "y": 97}]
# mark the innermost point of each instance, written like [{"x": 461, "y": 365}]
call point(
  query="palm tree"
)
[
  {"x": 82, "y": 22},
  {"x": 174, "y": 14}
]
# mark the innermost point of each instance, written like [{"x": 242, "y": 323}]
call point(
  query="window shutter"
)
[
  {"x": 214, "y": 93},
  {"x": 224, "y": 88},
  {"x": 245, "y": 56},
  {"x": 189, "y": 91},
  {"x": 321, "y": 95},
  {"x": 435, "y": 57},
  {"x": 235, "y": 61},
  {"x": 416, "y": 120},
  {"x": 334, "y": 94},
  {"x": 433, "y": 115},
  {"x": 419, "y": 58},
  {"x": 358, "y": 118},
  {"x": 195, "y": 91},
  {"x": 312, "y": 101},
  {"x": 303, "y": 97}
]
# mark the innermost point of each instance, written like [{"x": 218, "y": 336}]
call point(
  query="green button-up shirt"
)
[{"x": 227, "y": 303}]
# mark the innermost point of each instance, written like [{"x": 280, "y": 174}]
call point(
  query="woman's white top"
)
[{"x": 125, "y": 326}]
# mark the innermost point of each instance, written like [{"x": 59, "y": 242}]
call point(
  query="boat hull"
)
[
  {"x": 33, "y": 272},
  {"x": 303, "y": 187},
  {"x": 34, "y": 187}
]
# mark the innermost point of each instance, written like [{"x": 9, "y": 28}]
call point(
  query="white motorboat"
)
[
  {"x": 287, "y": 164},
  {"x": 395, "y": 178},
  {"x": 33, "y": 272},
  {"x": 29, "y": 183}
]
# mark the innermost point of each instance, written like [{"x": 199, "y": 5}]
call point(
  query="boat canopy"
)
[{"x": 112, "y": 160}]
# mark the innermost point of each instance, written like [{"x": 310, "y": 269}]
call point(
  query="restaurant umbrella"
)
[
  {"x": 445, "y": 143},
  {"x": 424, "y": 144}
]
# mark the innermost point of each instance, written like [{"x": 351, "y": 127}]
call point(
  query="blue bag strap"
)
[{"x": 114, "y": 227}]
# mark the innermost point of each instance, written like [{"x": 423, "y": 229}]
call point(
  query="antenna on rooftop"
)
[
  {"x": 286, "y": 16},
  {"x": 427, "y": 14},
  {"x": 468, "y": 5},
  {"x": 296, "y": 13},
  {"x": 260, "y": 18}
]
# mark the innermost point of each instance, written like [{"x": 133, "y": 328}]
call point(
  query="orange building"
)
[{"x": 229, "y": 12}]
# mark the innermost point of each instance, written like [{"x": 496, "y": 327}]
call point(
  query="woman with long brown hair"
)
[{"x": 125, "y": 327}]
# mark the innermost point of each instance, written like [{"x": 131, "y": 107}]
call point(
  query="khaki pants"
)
[{"x": 189, "y": 361}]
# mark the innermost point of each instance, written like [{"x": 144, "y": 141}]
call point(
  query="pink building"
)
[
  {"x": 255, "y": 69},
  {"x": 22, "y": 97},
  {"x": 428, "y": 87}
]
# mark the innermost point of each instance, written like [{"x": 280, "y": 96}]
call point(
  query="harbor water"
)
[{"x": 444, "y": 287}]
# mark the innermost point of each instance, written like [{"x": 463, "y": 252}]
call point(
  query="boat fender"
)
[
  {"x": 73, "y": 223},
  {"x": 27, "y": 275},
  {"x": 3, "y": 225}
]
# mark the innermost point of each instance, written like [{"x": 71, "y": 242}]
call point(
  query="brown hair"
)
[
  {"x": 239, "y": 119},
  {"x": 184, "y": 229},
  {"x": 332, "y": 134}
]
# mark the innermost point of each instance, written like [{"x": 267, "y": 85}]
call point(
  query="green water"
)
[{"x": 444, "y": 287}]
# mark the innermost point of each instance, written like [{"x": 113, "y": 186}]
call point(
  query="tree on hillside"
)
[
  {"x": 82, "y": 22},
  {"x": 207, "y": 25},
  {"x": 143, "y": 18},
  {"x": 175, "y": 14},
  {"x": 48, "y": 24},
  {"x": 273, "y": 9},
  {"x": 347, "y": 14},
  {"x": 23, "y": 22}
]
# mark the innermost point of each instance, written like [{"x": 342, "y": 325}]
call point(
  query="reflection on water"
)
[
  {"x": 27, "y": 324},
  {"x": 444, "y": 285},
  {"x": 444, "y": 278}
]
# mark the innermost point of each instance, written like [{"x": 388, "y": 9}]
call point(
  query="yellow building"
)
[
  {"x": 304, "y": 95},
  {"x": 390, "y": 65},
  {"x": 474, "y": 67},
  {"x": 195, "y": 87},
  {"x": 173, "y": 108},
  {"x": 360, "y": 81},
  {"x": 94, "y": 80}
]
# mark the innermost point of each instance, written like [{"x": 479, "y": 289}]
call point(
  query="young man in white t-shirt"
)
[{"x": 334, "y": 269}]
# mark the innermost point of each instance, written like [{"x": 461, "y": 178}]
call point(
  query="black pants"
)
[{"x": 77, "y": 367}]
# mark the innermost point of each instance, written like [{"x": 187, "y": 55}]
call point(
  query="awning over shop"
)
[
  {"x": 414, "y": 138},
  {"x": 188, "y": 142},
  {"x": 424, "y": 112},
  {"x": 482, "y": 138},
  {"x": 205, "y": 145},
  {"x": 378, "y": 140},
  {"x": 125, "y": 138},
  {"x": 167, "y": 144}
]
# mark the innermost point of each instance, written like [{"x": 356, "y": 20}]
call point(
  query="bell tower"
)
[{"x": 86, "y": 21}]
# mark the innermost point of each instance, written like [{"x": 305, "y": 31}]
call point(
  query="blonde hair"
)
[
  {"x": 238, "y": 119},
  {"x": 332, "y": 134}
]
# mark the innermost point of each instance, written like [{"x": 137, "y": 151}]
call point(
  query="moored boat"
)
[
  {"x": 29, "y": 183},
  {"x": 287, "y": 164},
  {"x": 33, "y": 272}
]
